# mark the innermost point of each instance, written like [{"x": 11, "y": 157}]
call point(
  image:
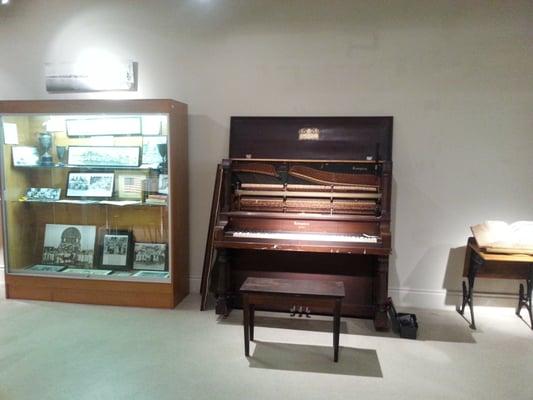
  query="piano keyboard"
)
[{"x": 317, "y": 237}]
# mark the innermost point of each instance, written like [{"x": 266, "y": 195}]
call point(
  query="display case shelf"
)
[
  {"x": 112, "y": 203},
  {"x": 88, "y": 168},
  {"x": 99, "y": 234}
]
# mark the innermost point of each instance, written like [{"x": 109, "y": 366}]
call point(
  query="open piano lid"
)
[{"x": 311, "y": 138}]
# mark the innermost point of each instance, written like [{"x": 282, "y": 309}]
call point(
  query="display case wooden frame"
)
[{"x": 106, "y": 289}]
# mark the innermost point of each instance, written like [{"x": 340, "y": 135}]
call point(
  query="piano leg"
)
[
  {"x": 222, "y": 274},
  {"x": 222, "y": 306},
  {"x": 381, "y": 320}
]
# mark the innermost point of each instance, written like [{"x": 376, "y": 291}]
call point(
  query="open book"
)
[{"x": 500, "y": 237}]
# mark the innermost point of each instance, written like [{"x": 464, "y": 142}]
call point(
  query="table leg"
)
[
  {"x": 246, "y": 323},
  {"x": 252, "y": 319},
  {"x": 468, "y": 294},
  {"x": 529, "y": 295},
  {"x": 336, "y": 329},
  {"x": 524, "y": 299}
]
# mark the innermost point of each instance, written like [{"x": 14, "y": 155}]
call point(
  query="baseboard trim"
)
[
  {"x": 194, "y": 284},
  {"x": 418, "y": 298},
  {"x": 443, "y": 299},
  {"x": 426, "y": 298}
]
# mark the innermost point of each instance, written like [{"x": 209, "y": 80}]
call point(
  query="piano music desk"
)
[
  {"x": 265, "y": 291},
  {"x": 494, "y": 265}
]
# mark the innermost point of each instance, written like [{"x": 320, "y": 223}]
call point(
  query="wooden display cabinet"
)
[{"x": 113, "y": 235}]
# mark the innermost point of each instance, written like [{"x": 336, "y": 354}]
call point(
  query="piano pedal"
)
[{"x": 300, "y": 311}]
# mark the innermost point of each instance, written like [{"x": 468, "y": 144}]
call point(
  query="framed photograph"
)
[
  {"x": 104, "y": 126},
  {"x": 104, "y": 156},
  {"x": 43, "y": 194},
  {"x": 152, "y": 274},
  {"x": 151, "y": 256},
  {"x": 25, "y": 156},
  {"x": 69, "y": 245},
  {"x": 162, "y": 186},
  {"x": 90, "y": 184},
  {"x": 115, "y": 248},
  {"x": 129, "y": 185},
  {"x": 46, "y": 268}
]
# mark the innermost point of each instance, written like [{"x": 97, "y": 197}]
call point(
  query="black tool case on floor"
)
[{"x": 403, "y": 323}]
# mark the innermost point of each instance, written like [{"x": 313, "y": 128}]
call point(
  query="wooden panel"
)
[
  {"x": 140, "y": 294},
  {"x": 179, "y": 207},
  {"x": 272, "y": 300},
  {"x": 295, "y": 287},
  {"x": 89, "y": 106},
  {"x": 340, "y": 138}
]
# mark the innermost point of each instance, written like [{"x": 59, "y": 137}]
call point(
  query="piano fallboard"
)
[{"x": 309, "y": 216}]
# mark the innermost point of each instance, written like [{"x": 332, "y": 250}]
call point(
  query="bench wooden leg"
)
[
  {"x": 252, "y": 319},
  {"x": 336, "y": 329},
  {"x": 246, "y": 324}
]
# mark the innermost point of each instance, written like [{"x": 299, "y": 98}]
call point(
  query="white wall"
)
[{"x": 456, "y": 76}]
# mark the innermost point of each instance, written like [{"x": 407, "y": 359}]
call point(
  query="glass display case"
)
[{"x": 94, "y": 201}]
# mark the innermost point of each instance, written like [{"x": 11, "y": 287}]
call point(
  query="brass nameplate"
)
[{"x": 309, "y": 134}]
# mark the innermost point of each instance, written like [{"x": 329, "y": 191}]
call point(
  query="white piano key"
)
[{"x": 317, "y": 237}]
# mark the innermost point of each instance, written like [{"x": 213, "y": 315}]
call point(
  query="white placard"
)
[
  {"x": 10, "y": 133},
  {"x": 90, "y": 76}
]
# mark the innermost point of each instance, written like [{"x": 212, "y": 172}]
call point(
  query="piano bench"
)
[{"x": 270, "y": 292}]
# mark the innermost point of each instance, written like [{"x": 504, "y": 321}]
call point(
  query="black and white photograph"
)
[
  {"x": 162, "y": 186},
  {"x": 71, "y": 245},
  {"x": 115, "y": 248},
  {"x": 104, "y": 156},
  {"x": 151, "y": 274},
  {"x": 151, "y": 256},
  {"x": 46, "y": 268},
  {"x": 25, "y": 156},
  {"x": 43, "y": 194},
  {"x": 90, "y": 184}
]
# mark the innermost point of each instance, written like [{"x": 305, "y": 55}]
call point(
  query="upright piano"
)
[{"x": 303, "y": 198}]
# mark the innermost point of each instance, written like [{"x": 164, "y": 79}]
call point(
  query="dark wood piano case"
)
[{"x": 263, "y": 187}]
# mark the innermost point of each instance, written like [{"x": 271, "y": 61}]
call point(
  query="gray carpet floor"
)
[{"x": 54, "y": 351}]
